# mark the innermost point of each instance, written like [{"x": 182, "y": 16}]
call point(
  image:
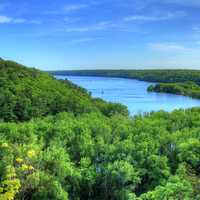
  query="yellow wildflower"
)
[
  {"x": 19, "y": 160},
  {"x": 30, "y": 167},
  {"x": 4, "y": 145},
  {"x": 31, "y": 153},
  {"x": 25, "y": 167}
]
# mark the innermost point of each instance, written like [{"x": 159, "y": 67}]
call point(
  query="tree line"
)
[
  {"x": 190, "y": 89},
  {"x": 156, "y": 75}
]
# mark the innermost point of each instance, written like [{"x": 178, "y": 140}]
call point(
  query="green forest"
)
[
  {"x": 59, "y": 143},
  {"x": 156, "y": 75},
  {"x": 190, "y": 89},
  {"x": 29, "y": 93}
]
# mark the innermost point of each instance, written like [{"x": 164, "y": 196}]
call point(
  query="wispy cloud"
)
[
  {"x": 166, "y": 46},
  {"x": 67, "y": 8},
  {"x": 7, "y": 20},
  {"x": 85, "y": 40},
  {"x": 74, "y": 7},
  {"x": 71, "y": 19},
  {"x": 195, "y": 33},
  {"x": 167, "y": 16},
  {"x": 4, "y": 19},
  {"x": 34, "y": 22},
  {"x": 184, "y": 2},
  {"x": 142, "y": 18},
  {"x": 139, "y": 4},
  {"x": 104, "y": 25},
  {"x": 196, "y": 29},
  {"x": 79, "y": 29}
]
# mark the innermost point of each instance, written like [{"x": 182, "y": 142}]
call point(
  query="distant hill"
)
[
  {"x": 27, "y": 93},
  {"x": 157, "y": 75}
]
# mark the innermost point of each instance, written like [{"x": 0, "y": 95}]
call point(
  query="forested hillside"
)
[
  {"x": 58, "y": 143},
  {"x": 162, "y": 76},
  {"x": 27, "y": 93}
]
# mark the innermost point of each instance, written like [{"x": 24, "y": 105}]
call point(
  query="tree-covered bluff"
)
[{"x": 27, "y": 93}]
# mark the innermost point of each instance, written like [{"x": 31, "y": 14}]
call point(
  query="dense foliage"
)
[
  {"x": 93, "y": 150},
  {"x": 187, "y": 89},
  {"x": 162, "y": 76},
  {"x": 94, "y": 157},
  {"x": 27, "y": 93}
]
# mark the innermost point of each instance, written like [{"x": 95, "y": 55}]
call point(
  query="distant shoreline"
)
[
  {"x": 153, "y": 75},
  {"x": 178, "y": 78}
]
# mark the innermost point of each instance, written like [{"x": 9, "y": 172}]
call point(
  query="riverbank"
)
[
  {"x": 132, "y": 93},
  {"x": 189, "y": 89},
  {"x": 154, "y": 75},
  {"x": 179, "y": 82}
]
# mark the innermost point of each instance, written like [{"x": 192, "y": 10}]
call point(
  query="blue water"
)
[{"x": 132, "y": 93}]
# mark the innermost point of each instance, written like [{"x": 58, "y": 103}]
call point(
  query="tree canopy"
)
[
  {"x": 27, "y": 93},
  {"x": 190, "y": 89},
  {"x": 58, "y": 143},
  {"x": 95, "y": 157}
]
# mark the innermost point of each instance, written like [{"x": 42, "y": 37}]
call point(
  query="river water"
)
[{"x": 132, "y": 93}]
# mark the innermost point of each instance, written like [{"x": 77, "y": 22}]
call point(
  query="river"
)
[{"x": 132, "y": 93}]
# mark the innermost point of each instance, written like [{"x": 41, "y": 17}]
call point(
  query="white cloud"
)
[
  {"x": 78, "y": 29},
  {"x": 169, "y": 47},
  {"x": 71, "y": 19},
  {"x": 75, "y": 7},
  {"x": 167, "y": 16},
  {"x": 196, "y": 33},
  {"x": 139, "y": 4},
  {"x": 141, "y": 18},
  {"x": 34, "y": 22},
  {"x": 104, "y": 25},
  {"x": 7, "y": 20},
  {"x": 68, "y": 8},
  {"x": 196, "y": 29},
  {"x": 18, "y": 21},
  {"x": 84, "y": 40}
]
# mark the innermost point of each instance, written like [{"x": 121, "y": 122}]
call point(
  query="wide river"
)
[{"x": 132, "y": 93}]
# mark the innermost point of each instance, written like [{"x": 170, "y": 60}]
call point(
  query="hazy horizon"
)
[
  {"x": 68, "y": 68},
  {"x": 131, "y": 68},
  {"x": 101, "y": 34}
]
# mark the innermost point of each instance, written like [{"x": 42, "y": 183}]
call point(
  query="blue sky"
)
[{"x": 120, "y": 34}]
